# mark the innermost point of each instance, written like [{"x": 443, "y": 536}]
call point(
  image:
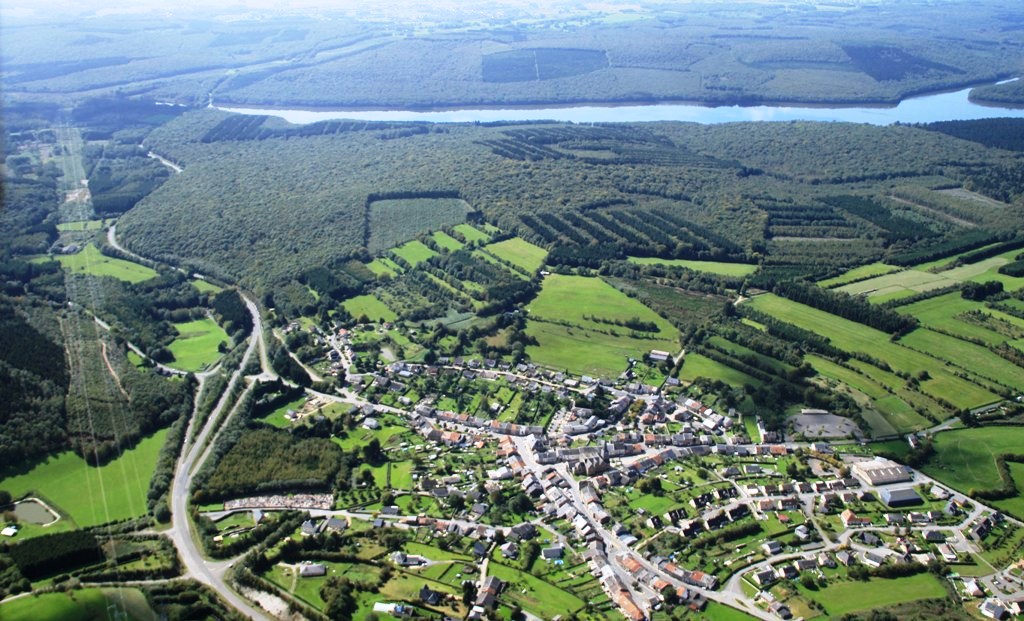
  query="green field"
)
[
  {"x": 384, "y": 266},
  {"x": 81, "y": 225},
  {"x": 91, "y": 261},
  {"x": 917, "y": 279},
  {"x": 854, "y": 337},
  {"x": 858, "y": 273},
  {"x": 844, "y": 597},
  {"x": 582, "y": 341},
  {"x": 446, "y": 241},
  {"x": 712, "y": 267},
  {"x": 196, "y": 346},
  {"x": 415, "y": 252},
  {"x": 471, "y": 233},
  {"x": 519, "y": 252},
  {"x": 967, "y": 356},
  {"x": 696, "y": 365},
  {"x": 541, "y": 598},
  {"x": 941, "y": 312},
  {"x": 89, "y": 495},
  {"x": 965, "y": 458},
  {"x": 368, "y": 305},
  {"x": 205, "y": 286},
  {"x": 80, "y": 605}
]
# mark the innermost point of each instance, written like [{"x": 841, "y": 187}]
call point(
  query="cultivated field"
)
[
  {"x": 519, "y": 252},
  {"x": 91, "y": 261},
  {"x": 368, "y": 305},
  {"x": 712, "y": 267},
  {"x": 858, "y": 273},
  {"x": 89, "y": 495},
  {"x": 855, "y": 337},
  {"x": 919, "y": 279},
  {"x": 197, "y": 344}
]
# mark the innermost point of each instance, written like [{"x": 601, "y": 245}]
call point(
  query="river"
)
[{"x": 947, "y": 106}]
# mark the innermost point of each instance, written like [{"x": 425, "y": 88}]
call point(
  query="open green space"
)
[
  {"x": 89, "y": 495},
  {"x": 79, "y": 605},
  {"x": 519, "y": 252},
  {"x": 854, "y": 337},
  {"x": 370, "y": 306},
  {"x": 965, "y": 458},
  {"x": 81, "y": 225},
  {"x": 919, "y": 279},
  {"x": 574, "y": 320},
  {"x": 415, "y": 252},
  {"x": 858, "y": 273},
  {"x": 840, "y": 598},
  {"x": 541, "y": 598},
  {"x": 446, "y": 241},
  {"x": 471, "y": 233},
  {"x": 197, "y": 345},
  {"x": 697, "y": 365},
  {"x": 945, "y": 313},
  {"x": 205, "y": 286},
  {"x": 383, "y": 266},
  {"x": 90, "y": 260},
  {"x": 1015, "y": 504},
  {"x": 967, "y": 356},
  {"x": 712, "y": 267}
]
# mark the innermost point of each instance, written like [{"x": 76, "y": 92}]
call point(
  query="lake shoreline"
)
[{"x": 743, "y": 102}]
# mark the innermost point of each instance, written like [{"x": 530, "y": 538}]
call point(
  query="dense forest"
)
[{"x": 801, "y": 198}]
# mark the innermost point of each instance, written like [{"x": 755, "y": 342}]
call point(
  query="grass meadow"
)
[
  {"x": 569, "y": 319},
  {"x": 79, "y": 605},
  {"x": 471, "y": 233},
  {"x": 370, "y": 306},
  {"x": 415, "y": 252},
  {"x": 446, "y": 241},
  {"x": 712, "y": 267},
  {"x": 845, "y": 597},
  {"x": 196, "y": 346},
  {"x": 519, "y": 252},
  {"x": 858, "y": 273},
  {"x": 965, "y": 458},
  {"x": 91, "y": 261},
  {"x": 696, "y": 365},
  {"x": 89, "y": 495}
]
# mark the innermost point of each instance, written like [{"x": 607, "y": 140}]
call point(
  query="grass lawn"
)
[
  {"x": 368, "y": 305},
  {"x": 855, "y": 337},
  {"x": 845, "y": 597},
  {"x": 471, "y": 233},
  {"x": 446, "y": 241},
  {"x": 195, "y": 347},
  {"x": 79, "y": 605},
  {"x": 206, "y": 287},
  {"x": 415, "y": 252},
  {"x": 712, "y": 267},
  {"x": 965, "y": 458},
  {"x": 89, "y": 495},
  {"x": 91, "y": 261},
  {"x": 519, "y": 252},
  {"x": 858, "y": 273},
  {"x": 696, "y": 365},
  {"x": 582, "y": 352}
]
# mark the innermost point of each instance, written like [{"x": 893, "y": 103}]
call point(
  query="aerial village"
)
[{"x": 658, "y": 502}]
